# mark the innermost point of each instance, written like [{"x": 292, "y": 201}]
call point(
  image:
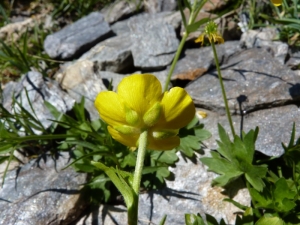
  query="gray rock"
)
[
  {"x": 111, "y": 79},
  {"x": 278, "y": 49},
  {"x": 294, "y": 60},
  {"x": 264, "y": 39},
  {"x": 75, "y": 39},
  {"x": 275, "y": 127},
  {"x": 252, "y": 75},
  {"x": 113, "y": 54},
  {"x": 82, "y": 79},
  {"x": 248, "y": 38},
  {"x": 172, "y": 18},
  {"x": 39, "y": 89},
  {"x": 154, "y": 45},
  {"x": 41, "y": 192},
  {"x": 155, "y": 6},
  {"x": 121, "y": 27},
  {"x": 203, "y": 58},
  {"x": 194, "y": 195},
  {"x": 120, "y": 9},
  {"x": 14, "y": 30}
]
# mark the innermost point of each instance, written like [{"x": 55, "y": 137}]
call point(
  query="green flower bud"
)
[
  {"x": 164, "y": 134},
  {"x": 124, "y": 129},
  {"x": 152, "y": 115},
  {"x": 132, "y": 117}
]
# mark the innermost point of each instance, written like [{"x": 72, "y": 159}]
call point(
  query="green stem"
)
[
  {"x": 133, "y": 211},
  {"x": 178, "y": 52},
  {"x": 223, "y": 88},
  {"x": 182, "y": 42},
  {"x": 194, "y": 12}
]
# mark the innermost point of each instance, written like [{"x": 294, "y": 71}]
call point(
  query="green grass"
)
[{"x": 27, "y": 52}]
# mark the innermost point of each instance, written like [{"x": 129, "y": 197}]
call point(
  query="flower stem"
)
[
  {"x": 133, "y": 211},
  {"x": 223, "y": 88},
  {"x": 178, "y": 52},
  {"x": 194, "y": 12}
]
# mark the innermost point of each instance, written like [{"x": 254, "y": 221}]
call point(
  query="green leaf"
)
[
  {"x": 189, "y": 144},
  {"x": 261, "y": 199},
  {"x": 11, "y": 157},
  {"x": 225, "y": 145},
  {"x": 270, "y": 219},
  {"x": 162, "y": 173},
  {"x": 191, "y": 137},
  {"x": 168, "y": 157},
  {"x": 192, "y": 124},
  {"x": 227, "y": 170},
  {"x": 254, "y": 176},
  {"x": 247, "y": 146},
  {"x": 163, "y": 220},
  {"x": 201, "y": 133},
  {"x": 120, "y": 180},
  {"x": 84, "y": 167},
  {"x": 98, "y": 181},
  {"x": 247, "y": 218},
  {"x": 191, "y": 219},
  {"x": 238, "y": 156},
  {"x": 283, "y": 196},
  {"x": 128, "y": 160},
  {"x": 152, "y": 169},
  {"x": 238, "y": 205},
  {"x": 211, "y": 220},
  {"x": 195, "y": 26},
  {"x": 79, "y": 110}
]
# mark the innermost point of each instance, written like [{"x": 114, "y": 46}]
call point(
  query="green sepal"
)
[
  {"x": 131, "y": 116},
  {"x": 152, "y": 115},
  {"x": 164, "y": 134},
  {"x": 127, "y": 130}
]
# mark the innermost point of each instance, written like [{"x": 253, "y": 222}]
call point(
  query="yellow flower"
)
[
  {"x": 211, "y": 32},
  {"x": 276, "y": 2},
  {"x": 201, "y": 114},
  {"x": 140, "y": 105}
]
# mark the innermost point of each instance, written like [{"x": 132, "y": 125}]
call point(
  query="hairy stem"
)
[{"x": 223, "y": 88}]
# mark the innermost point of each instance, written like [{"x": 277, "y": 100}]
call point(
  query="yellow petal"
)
[
  {"x": 200, "y": 39},
  {"x": 219, "y": 39},
  {"x": 110, "y": 108},
  {"x": 163, "y": 144},
  {"x": 276, "y": 2},
  {"x": 140, "y": 91},
  {"x": 128, "y": 140},
  {"x": 177, "y": 110}
]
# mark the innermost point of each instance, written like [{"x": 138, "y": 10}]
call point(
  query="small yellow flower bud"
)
[
  {"x": 152, "y": 115},
  {"x": 201, "y": 114},
  {"x": 211, "y": 32},
  {"x": 276, "y": 2}
]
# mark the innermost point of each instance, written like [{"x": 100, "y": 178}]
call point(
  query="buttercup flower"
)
[
  {"x": 140, "y": 105},
  {"x": 276, "y": 2},
  {"x": 211, "y": 32}
]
